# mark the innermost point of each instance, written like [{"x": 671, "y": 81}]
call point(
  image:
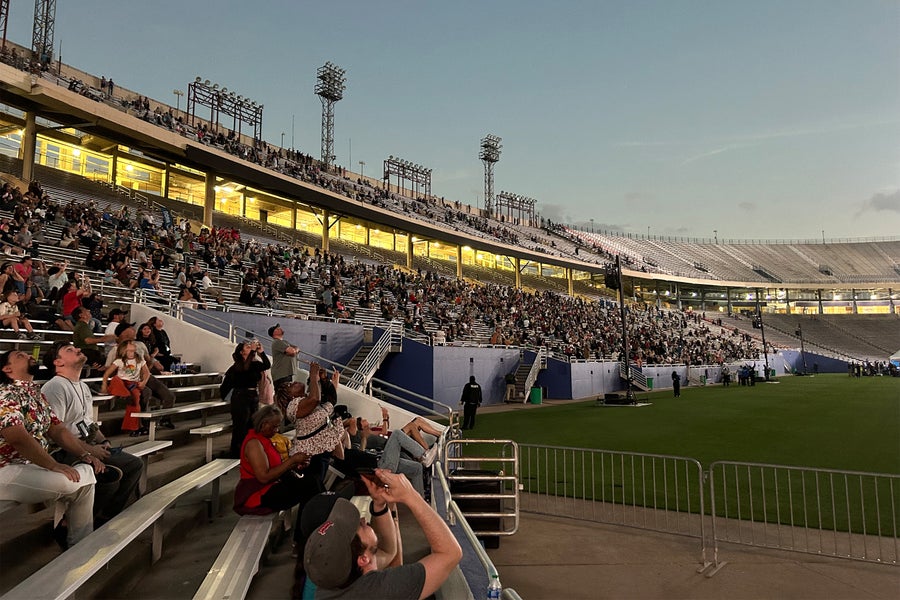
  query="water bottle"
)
[{"x": 494, "y": 589}]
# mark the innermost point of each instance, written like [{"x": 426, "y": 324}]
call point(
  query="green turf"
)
[
  {"x": 827, "y": 421},
  {"x": 824, "y": 422}
]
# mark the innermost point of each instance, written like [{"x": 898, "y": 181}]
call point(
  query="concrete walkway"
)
[{"x": 553, "y": 557}]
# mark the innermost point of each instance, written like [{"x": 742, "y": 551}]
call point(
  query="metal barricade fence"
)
[
  {"x": 647, "y": 491},
  {"x": 845, "y": 514}
]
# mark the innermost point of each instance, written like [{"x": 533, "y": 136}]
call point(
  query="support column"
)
[
  {"x": 540, "y": 269},
  {"x": 658, "y": 299},
  {"x": 409, "y": 252},
  {"x": 517, "y": 265},
  {"x": 326, "y": 225},
  {"x": 787, "y": 301},
  {"x": 678, "y": 296},
  {"x": 114, "y": 169},
  {"x": 853, "y": 296},
  {"x": 209, "y": 199},
  {"x": 459, "y": 262},
  {"x": 821, "y": 306},
  {"x": 891, "y": 300},
  {"x": 165, "y": 176},
  {"x": 702, "y": 300},
  {"x": 728, "y": 301},
  {"x": 29, "y": 143},
  {"x": 570, "y": 281}
]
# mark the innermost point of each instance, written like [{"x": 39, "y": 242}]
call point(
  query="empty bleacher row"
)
[{"x": 813, "y": 263}]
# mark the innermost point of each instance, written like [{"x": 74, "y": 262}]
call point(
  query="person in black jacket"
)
[
  {"x": 242, "y": 382},
  {"x": 471, "y": 400}
]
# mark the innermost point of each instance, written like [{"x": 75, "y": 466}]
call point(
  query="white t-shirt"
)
[
  {"x": 70, "y": 400},
  {"x": 129, "y": 369}
]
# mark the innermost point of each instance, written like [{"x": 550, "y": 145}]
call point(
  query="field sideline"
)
[{"x": 825, "y": 421}]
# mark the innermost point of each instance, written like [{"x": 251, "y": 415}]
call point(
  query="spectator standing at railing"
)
[{"x": 283, "y": 357}]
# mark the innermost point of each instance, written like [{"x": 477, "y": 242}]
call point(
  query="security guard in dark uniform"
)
[{"x": 471, "y": 400}]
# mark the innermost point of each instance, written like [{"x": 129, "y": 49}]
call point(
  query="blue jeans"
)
[{"x": 391, "y": 459}]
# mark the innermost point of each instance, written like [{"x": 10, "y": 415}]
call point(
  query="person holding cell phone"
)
[
  {"x": 241, "y": 386},
  {"x": 269, "y": 483}
]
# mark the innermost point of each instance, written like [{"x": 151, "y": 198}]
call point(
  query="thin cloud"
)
[
  {"x": 713, "y": 153},
  {"x": 748, "y": 206},
  {"x": 889, "y": 201}
]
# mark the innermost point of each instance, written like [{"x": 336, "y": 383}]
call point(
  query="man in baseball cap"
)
[{"x": 347, "y": 558}]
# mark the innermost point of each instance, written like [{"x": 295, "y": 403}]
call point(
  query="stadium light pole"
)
[
  {"x": 629, "y": 392},
  {"x": 716, "y": 235},
  {"x": 330, "y": 85},
  {"x": 362, "y": 168},
  {"x": 178, "y": 95},
  {"x": 42, "y": 33},
  {"x": 762, "y": 331},
  {"x": 802, "y": 347},
  {"x": 489, "y": 155}
]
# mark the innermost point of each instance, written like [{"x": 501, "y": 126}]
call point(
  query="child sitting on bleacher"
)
[
  {"x": 129, "y": 377},
  {"x": 10, "y": 316}
]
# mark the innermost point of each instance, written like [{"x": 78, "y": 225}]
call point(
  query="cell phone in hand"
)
[{"x": 371, "y": 476}]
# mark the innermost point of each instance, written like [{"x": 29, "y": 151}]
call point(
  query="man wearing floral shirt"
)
[{"x": 28, "y": 474}]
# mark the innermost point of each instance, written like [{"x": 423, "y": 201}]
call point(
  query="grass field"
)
[
  {"x": 827, "y": 421},
  {"x": 823, "y": 422}
]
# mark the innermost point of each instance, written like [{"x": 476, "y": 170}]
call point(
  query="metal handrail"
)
[
  {"x": 785, "y": 503},
  {"x": 509, "y": 484},
  {"x": 637, "y": 376},
  {"x": 455, "y": 515},
  {"x": 366, "y": 370},
  {"x": 540, "y": 362},
  {"x": 232, "y": 330}
]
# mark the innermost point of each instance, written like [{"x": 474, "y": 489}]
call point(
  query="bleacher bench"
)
[
  {"x": 62, "y": 577},
  {"x": 209, "y": 432},
  {"x": 155, "y": 415},
  {"x": 230, "y": 576},
  {"x": 144, "y": 450}
]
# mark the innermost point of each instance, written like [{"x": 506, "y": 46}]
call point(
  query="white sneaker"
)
[{"x": 429, "y": 456}]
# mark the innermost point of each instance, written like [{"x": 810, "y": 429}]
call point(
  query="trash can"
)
[
  {"x": 649, "y": 383},
  {"x": 535, "y": 396}
]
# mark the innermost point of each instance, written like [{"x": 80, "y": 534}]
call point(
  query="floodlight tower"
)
[
  {"x": 42, "y": 33},
  {"x": 330, "y": 86},
  {"x": 4, "y": 20},
  {"x": 489, "y": 154}
]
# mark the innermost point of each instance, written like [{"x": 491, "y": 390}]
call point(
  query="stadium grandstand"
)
[{"x": 160, "y": 213}]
